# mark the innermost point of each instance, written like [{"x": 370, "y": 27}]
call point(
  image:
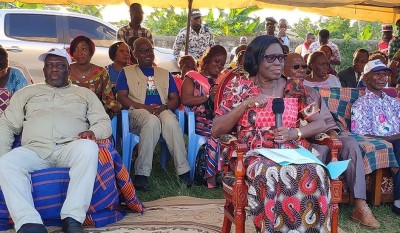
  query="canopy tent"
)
[{"x": 385, "y": 11}]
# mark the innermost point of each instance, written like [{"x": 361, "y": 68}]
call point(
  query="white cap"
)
[
  {"x": 374, "y": 66},
  {"x": 57, "y": 52}
]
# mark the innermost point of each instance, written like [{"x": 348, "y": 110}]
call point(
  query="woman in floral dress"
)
[
  {"x": 84, "y": 73},
  {"x": 281, "y": 198}
]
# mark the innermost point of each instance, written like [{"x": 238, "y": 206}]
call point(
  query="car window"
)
[
  {"x": 31, "y": 27},
  {"x": 101, "y": 34}
]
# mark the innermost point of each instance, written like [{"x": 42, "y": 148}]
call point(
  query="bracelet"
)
[{"x": 298, "y": 134}]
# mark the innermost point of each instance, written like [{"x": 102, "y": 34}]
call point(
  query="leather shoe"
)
[
  {"x": 141, "y": 183},
  {"x": 70, "y": 225},
  {"x": 32, "y": 228},
  {"x": 364, "y": 216}
]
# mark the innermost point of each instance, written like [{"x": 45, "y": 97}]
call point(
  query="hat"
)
[
  {"x": 196, "y": 13},
  {"x": 374, "y": 66},
  {"x": 57, "y": 52},
  {"x": 271, "y": 19},
  {"x": 387, "y": 28}
]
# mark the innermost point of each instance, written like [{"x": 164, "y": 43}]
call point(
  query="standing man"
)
[
  {"x": 270, "y": 25},
  {"x": 59, "y": 123},
  {"x": 150, "y": 94},
  {"x": 310, "y": 38},
  {"x": 377, "y": 115},
  {"x": 134, "y": 28},
  {"x": 242, "y": 41},
  {"x": 350, "y": 77},
  {"x": 282, "y": 27},
  {"x": 324, "y": 40},
  {"x": 200, "y": 38},
  {"x": 387, "y": 35},
  {"x": 394, "y": 44}
]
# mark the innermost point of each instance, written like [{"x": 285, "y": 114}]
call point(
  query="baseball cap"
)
[
  {"x": 387, "y": 28},
  {"x": 374, "y": 66},
  {"x": 57, "y": 52},
  {"x": 196, "y": 13}
]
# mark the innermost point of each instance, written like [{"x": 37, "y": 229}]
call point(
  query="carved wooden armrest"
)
[{"x": 334, "y": 144}]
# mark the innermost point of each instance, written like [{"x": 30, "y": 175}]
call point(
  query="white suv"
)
[{"x": 25, "y": 34}]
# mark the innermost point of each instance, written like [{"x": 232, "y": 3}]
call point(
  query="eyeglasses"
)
[
  {"x": 297, "y": 66},
  {"x": 272, "y": 57},
  {"x": 148, "y": 50}
]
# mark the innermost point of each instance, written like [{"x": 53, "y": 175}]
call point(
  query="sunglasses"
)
[
  {"x": 297, "y": 66},
  {"x": 272, "y": 57}
]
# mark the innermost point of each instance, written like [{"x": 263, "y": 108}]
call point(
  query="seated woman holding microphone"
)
[{"x": 281, "y": 198}]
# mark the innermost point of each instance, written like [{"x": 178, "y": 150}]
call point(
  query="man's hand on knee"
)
[{"x": 87, "y": 135}]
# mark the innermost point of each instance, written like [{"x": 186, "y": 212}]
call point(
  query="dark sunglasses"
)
[
  {"x": 297, "y": 66},
  {"x": 272, "y": 57}
]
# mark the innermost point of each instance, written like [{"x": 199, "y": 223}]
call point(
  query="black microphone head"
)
[{"x": 278, "y": 106}]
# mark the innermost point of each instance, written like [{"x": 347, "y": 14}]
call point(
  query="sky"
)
[{"x": 110, "y": 16}]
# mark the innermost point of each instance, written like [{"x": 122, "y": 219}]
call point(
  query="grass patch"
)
[
  {"x": 165, "y": 183},
  {"x": 388, "y": 220}
]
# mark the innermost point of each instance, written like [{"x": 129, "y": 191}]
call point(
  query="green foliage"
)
[
  {"x": 339, "y": 28},
  {"x": 347, "y": 48},
  {"x": 166, "y": 22},
  {"x": 121, "y": 23},
  {"x": 303, "y": 26},
  {"x": 236, "y": 22}
]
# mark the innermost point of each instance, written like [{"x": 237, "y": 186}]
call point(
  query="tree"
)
[
  {"x": 303, "y": 26},
  {"x": 236, "y": 22},
  {"x": 166, "y": 21}
]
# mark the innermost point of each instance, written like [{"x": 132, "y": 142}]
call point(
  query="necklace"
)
[
  {"x": 274, "y": 89},
  {"x": 84, "y": 76}
]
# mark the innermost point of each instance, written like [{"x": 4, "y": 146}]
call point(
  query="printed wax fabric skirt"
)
[
  {"x": 112, "y": 186},
  {"x": 285, "y": 198}
]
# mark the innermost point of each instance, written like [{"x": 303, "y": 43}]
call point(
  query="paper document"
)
[{"x": 301, "y": 156}]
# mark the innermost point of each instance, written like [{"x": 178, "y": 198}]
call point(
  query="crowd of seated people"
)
[{"x": 264, "y": 71}]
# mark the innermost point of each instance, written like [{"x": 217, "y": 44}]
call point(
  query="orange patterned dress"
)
[
  {"x": 99, "y": 82},
  {"x": 291, "y": 198}
]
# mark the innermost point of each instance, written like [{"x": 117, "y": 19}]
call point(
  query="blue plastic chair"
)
[
  {"x": 195, "y": 141},
  {"x": 130, "y": 140},
  {"x": 114, "y": 130}
]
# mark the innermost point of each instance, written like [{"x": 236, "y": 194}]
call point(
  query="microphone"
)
[{"x": 278, "y": 107}]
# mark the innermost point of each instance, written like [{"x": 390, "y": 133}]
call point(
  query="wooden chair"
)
[{"x": 235, "y": 191}]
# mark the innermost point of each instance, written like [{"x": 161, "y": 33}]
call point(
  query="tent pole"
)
[{"x": 188, "y": 27}]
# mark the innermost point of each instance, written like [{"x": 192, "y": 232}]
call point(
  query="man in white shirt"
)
[
  {"x": 59, "y": 123},
  {"x": 243, "y": 41},
  {"x": 323, "y": 39},
  {"x": 282, "y": 27}
]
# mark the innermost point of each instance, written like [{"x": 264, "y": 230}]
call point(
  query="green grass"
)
[
  {"x": 388, "y": 220},
  {"x": 165, "y": 184}
]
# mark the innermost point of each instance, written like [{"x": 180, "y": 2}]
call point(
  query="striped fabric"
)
[
  {"x": 112, "y": 186},
  {"x": 377, "y": 153}
]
